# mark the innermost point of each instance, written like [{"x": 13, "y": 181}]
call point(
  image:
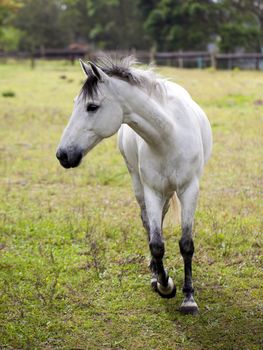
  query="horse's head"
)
[{"x": 97, "y": 114}]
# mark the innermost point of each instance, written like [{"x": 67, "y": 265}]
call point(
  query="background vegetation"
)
[
  {"x": 74, "y": 256},
  {"x": 123, "y": 24}
]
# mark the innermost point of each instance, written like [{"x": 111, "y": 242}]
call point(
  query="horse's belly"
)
[
  {"x": 171, "y": 171},
  {"x": 156, "y": 179}
]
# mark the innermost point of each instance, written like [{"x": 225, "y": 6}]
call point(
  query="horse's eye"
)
[{"x": 91, "y": 107}]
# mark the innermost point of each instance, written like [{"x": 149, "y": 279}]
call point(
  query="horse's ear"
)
[
  {"x": 98, "y": 72},
  {"x": 84, "y": 67}
]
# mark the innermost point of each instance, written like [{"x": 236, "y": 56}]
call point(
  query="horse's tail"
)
[{"x": 173, "y": 216}]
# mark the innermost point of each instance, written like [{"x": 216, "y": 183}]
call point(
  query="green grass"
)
[{"x": 73, "y": 251}]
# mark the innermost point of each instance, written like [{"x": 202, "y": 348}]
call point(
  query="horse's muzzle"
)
[{"x": 69, "y": 159}]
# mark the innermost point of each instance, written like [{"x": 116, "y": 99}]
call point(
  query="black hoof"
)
[
  {"x": 189, "y": 310},
  {"x": 189, "y": 307},
  {"x": 167, "y": 292},
  {"x": 167, "y": 296}
]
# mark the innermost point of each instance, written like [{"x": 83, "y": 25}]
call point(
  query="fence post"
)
[
  {"x": 152, "y": 54},
  {"x": 32, "y": 59},
  {"x": 200, "y": 62},
  {"x": 181, "y": 60},
  {"x": 72, "y": 59},
  {"x": 213, "y": 60},
  {"x": 257, "y": 63}
]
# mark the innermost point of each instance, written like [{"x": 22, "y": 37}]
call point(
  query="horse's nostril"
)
[{"x": 62, "y": 155}]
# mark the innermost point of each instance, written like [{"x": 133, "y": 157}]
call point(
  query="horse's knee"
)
[
  {"x": 157, "y": 248},
  {"x": 186, "y": 247}
]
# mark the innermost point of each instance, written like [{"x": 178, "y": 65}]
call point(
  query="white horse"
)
[{"x": 165, "y": 139}]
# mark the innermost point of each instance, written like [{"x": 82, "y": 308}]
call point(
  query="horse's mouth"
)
[
  {"x": 65, "y": 165},
  {"x": 68, "y": 165}
]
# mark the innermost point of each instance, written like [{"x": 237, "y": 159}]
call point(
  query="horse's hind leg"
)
[
  {"x": 154, "y": 203},
  {"x": 188, "y": 201}
]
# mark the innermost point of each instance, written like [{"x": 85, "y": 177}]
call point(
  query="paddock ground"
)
[{"x": 73, "y": 251}]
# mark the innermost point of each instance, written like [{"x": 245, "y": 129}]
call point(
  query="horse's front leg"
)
[
  {"x": 154, "y": 203},
  {"x": 188, "y": 201}
]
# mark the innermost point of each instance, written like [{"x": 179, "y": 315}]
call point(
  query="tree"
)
[
  {"x": 123, "y": 24},
  {"x": 239, "y": 35},
  {"x": 9, "y": 36},
  {"x": 182, "y": 24},
  {"x": 111, "y": 24},
  {"x": 7, "y": 7},
  {"x": 243, "y": 26},
  {"x": 39, "y": 22}
]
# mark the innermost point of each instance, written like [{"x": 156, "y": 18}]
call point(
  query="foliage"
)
[
  {"x": 183, "y": 24},
  {"x": 74, "y": 257},
  {"x": 242, "y": 28},
  {"x": 111, "y": 24},
  {"x": 234, "y": 35},
  {"x": 254, "y": 7},
  {"x": 9, "y": 36},
  {"x": 39, "y": 20},
  {"x": 127, "y": 24},
  {"x": 8, "y": 7}
]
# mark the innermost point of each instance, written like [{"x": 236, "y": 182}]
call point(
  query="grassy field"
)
[{"x": 73, "y": 251}]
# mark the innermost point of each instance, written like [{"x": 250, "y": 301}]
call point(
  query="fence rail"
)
[{"x": 192, "y": 59}]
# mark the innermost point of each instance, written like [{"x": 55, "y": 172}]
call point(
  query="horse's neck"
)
[{"x": 146, "y": 116}]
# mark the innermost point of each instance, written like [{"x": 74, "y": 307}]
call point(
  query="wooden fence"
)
[
  {"x": 194, "y": 59},
  {"x": 206, "y": 59}
]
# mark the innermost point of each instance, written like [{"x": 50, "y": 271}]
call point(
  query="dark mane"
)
[{"x": 121, "y": 69}]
